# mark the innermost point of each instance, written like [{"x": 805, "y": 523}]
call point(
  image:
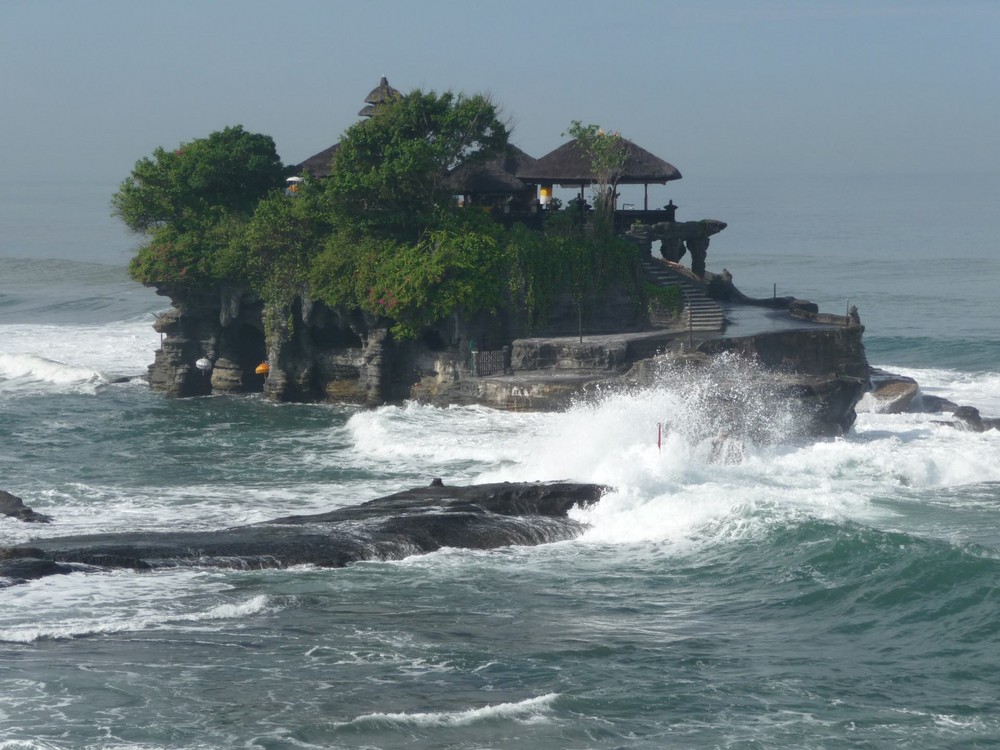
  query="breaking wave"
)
[{"x": 532, "y": 709}]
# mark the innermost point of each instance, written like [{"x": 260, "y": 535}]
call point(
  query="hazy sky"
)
[{"x": 713, "y": 86}]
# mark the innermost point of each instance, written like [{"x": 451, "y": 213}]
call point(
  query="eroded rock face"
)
[
  {"x": 221, "y": 326},
  {"x": 676, "y": 237},
  {"x": 317, "y": 353},
  {"x": 407, "y": 523}
]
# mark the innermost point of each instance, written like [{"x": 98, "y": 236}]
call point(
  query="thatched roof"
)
[
  {"x": 569, "y": 164},
  {"x": 379, "y": 95},
  {"x": 318, "y": 165},
  {"x": 496, "y": 176}
]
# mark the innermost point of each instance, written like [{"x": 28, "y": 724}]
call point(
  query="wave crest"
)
[
  {"x": 523, "y": 711},
  {"x": 23, "y": 371}
]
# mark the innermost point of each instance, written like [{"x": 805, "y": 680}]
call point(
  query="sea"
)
[{"x": 792, "y": 593}]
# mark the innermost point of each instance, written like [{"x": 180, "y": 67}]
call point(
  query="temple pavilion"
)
[{"x": 515, "y": 186}]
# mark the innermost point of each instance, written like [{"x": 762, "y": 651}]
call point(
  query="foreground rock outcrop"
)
[
  {"x": 13, "y": 506},
  {"x": 407, "y": 523}
]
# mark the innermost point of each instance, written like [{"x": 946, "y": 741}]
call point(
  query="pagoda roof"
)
[{"x": 379, "y": 95}]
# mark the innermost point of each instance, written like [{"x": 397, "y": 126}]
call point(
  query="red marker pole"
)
[{"x": 659, "y": 436}]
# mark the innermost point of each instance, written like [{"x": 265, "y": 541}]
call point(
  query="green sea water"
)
[{"x": 799, "y": 593}]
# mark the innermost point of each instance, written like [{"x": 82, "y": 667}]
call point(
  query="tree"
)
[
  {"x": 280, "y": 241},
  {"x": 194, "y": 198},
  {"x": 606, "y": 153},
  {"x": 390, "y": 171}
]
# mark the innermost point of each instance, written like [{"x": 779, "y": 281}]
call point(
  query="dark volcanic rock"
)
[
  {"x": 13, "y": 506},
  {"x": 970, "y": 418},
  {"x": 406, "y": 523},
  {"x": 22, "y": 570},
  {"x": 899, "y": 393},
  {"x": 927, "y": 404}
]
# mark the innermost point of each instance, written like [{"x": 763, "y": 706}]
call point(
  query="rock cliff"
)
[{"x": 318, "y": 353}]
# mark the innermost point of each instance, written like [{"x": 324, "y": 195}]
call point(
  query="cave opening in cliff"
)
[{"x": 251, "y": 350}]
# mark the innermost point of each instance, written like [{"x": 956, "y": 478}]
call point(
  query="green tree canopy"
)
[
  {"x": 227, "y": 172},
  {"x": 390, "y": 171},
  {"x": 192, "y": 204}
]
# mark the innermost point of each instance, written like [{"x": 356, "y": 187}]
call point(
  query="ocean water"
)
[{"x": 789, "y": 593}]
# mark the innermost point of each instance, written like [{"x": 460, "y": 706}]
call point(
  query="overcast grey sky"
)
[{"x": 713, "y": 86}]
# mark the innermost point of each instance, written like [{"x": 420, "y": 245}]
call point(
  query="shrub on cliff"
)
[
  {"x": 193, "y": 201},
  {"x": 458, "y": 265},
  {"x": 276, "y": 251}
]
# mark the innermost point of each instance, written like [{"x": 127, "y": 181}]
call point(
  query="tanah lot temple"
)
[
  {"x": 514, "y": 187},
  {"x": 501, "y": 360}
]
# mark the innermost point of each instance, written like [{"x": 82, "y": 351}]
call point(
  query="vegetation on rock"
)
[{"x": 383, "y": 233}]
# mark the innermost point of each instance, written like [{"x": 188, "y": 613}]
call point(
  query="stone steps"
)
[{"x": 700, "y": 313}]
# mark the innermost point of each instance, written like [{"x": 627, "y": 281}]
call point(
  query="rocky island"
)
[{"x": 425, "y": 257}]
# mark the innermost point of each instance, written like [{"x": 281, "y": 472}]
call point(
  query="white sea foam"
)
[
  {"x": 719, "y": 473},
  {"x": 526, "y": 711},
  {"x": 23, "y": 372},
  {"x": 417, "y": 434},
  {"x": 59, "y": 608},
  {"x": 695, "y": 484},
  {"x": 73, "y": 358}
]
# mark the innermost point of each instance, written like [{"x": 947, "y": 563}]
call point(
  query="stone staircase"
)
[{"x": 700, "y": 312}]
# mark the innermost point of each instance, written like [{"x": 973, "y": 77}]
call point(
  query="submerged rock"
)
[
  {"x": 898, "y": 394},
  {"x": 969, "y": 418},
  {"x": 13, "y": 506},
  {"x": 407, "y": 523}
]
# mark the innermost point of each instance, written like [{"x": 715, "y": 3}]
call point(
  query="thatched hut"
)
[
  {"x": 319, "y": 165},
  {"x": 486, "y": 183},
  {"x": 569, "y": 166}
]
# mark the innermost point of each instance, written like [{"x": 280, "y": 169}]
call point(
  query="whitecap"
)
[
  {"x": 24, "y": 372},
  {"x": 526, "y": 711}
]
